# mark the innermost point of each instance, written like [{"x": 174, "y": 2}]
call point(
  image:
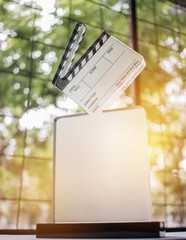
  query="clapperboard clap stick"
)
[
  {"x": 104, "y": 71},
  {"x": 64, "y": 72}
]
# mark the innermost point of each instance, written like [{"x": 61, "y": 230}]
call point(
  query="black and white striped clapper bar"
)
[{"x": 63, "y": 75}]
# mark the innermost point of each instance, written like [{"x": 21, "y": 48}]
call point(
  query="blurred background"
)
[{"x": 33, "y": 36}]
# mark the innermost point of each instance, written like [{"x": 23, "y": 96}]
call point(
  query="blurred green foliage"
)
[{"x": 33, "y": 36}]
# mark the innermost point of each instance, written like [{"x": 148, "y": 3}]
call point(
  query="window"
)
[{"x": 33, "y": 36}]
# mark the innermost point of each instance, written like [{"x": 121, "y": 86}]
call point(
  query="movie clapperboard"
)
[{"x": 101, "y": 75}]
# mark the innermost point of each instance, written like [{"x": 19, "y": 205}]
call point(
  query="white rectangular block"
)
[{"x": 101, "y": 167}]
